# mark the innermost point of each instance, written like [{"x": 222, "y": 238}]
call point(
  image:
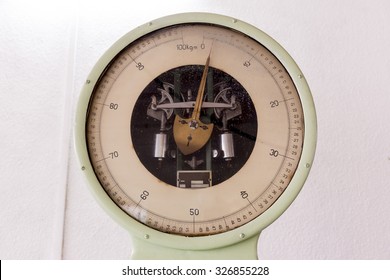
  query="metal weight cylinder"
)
[
  {"x": 227, "y": 145},
  {"x": 160, "y": 145}
]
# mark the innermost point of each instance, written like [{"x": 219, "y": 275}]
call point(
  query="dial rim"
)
[{"x": 260, "y": 222}]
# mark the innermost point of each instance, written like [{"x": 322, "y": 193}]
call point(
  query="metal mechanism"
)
[{"x": 224, "y": 108}]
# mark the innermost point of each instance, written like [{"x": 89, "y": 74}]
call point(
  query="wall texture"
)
[{"x": 47, "y": 49}]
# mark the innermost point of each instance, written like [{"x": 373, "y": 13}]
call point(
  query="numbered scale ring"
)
[{"x": 195, "y": 131}]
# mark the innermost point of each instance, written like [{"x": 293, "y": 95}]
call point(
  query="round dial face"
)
[{"x": 195, "y": 129}]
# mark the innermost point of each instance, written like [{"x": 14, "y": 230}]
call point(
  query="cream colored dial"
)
[{"x": 250, "y": 106}]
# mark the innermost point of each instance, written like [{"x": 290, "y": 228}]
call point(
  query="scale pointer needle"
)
[{"x": 192, "y": 134}]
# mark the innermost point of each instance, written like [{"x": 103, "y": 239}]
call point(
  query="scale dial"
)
[{"x": 195, "y": 129}]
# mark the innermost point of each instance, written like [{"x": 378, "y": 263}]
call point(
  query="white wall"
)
[{"x": 47, "y": 50}]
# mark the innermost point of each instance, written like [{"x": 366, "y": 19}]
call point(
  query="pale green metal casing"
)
[{"x": 240, "y": 243}]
